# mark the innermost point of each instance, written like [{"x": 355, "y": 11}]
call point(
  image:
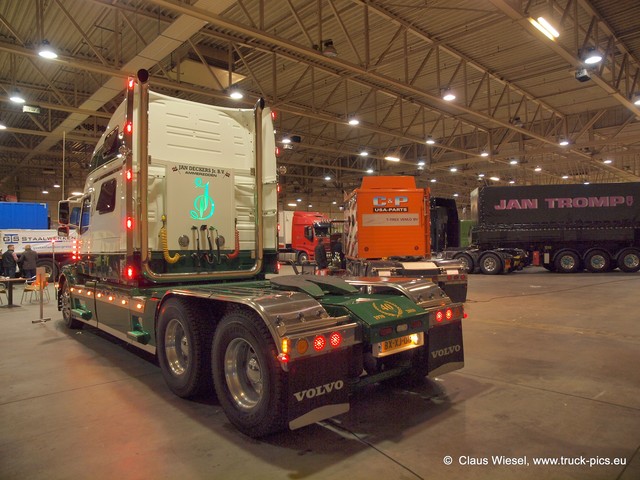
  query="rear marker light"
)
[
  {"x": 302, "y": 346},
  {"x": 283, "y": 358},
  {"x": 335, "y": 339},
  {"x": 448, "y": 314},
  {"x": 439, "y": 316},
  {"x": 319, "y": 343},
  {"x": 130, "y": 272},
  {"x": 416, "y": 324},
  {"x": 383, "y": 332}
]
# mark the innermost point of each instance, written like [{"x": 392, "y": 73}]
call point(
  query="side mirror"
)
[
  {"x": 63, "y": 213},
  {"x": 63, "y": 231}
]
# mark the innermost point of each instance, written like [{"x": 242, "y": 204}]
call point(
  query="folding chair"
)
[
  {"x": 3, "y": 289},
  {"x": 33, "y": 287}
]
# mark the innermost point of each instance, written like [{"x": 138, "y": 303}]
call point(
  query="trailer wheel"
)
[
  {"x": 49, "y": 267},
  {"x": 567, "y": 262},
  {"x": 491, "y": 264},
  {"x": 597, "y": 261},
  {"x": 629, "y": 260},
  {"x": 302, "y": 258},
  {"x": 65, "y": 307},
  {"x": 466, "y": 260},
  {"x": 184, "y": 347},
  {"x": 248, "y": 379}
]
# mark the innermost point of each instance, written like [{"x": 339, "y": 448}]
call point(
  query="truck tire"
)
[
  {"x": 50, "y": 268},
  {"x": 597, "y": 261},
  {"x": 302, "y": 258},
  {"x": 629, "y": 260},
  {"x": 567, "y": 262},
  {"x": 249, "y": 381},
  {"x": 65, "y": 307},
  {"x": 491, "y": 264},
  {"x": 467, "y": 261},
  {"x": 184, "y": 347}
]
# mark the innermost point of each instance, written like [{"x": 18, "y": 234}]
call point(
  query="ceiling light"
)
[
  {"x": 456, "y": 195},
  {"x": 495, "y": 179},
  {"x": 587, "y": 183},
  {"x": 56, "y": 185},
  {"x": 563, "y": 142},
  {"x": 327, "y": 178},
  {"x": 16, "y": 97},
  {"x": 45, "y": 191},
  {"x": 608, "y": 161},
  {"x": 235, "y": 94},
  {"x": 421, "y": 163},
  {"x": 3, "y": 126},
  {"x": 430, "y": 140},
  {"x": 46, "y": 51},
  {"x": 329, "y": 50},
  {"x": 448, "y": 95},
  {"x": 513, "y": 161},
  {"x": 636, "y": 99},
  {"x": 298, "y": 200},
  {"x": 592, "y": 56},
  {"x": 334, "y": 203},
  {"x": 537, "y": 169},
  {"x": 453, "y": 169},
  {"x": 392, "y": 157},
  {"x": 512, "y": 182},
  {"x": 433, "y": 180},
  {"x": 484, "y": 153},
  {"x": 545, "y": 27},
  {"x": 369, "y": 170},
  {"x": 286, "y": 140},
  {"x": 564, "y": 177},
  {"x": 310, "y": 205},
  {"x": 292, "y": 204},
  {"x": 364, "y": 153},
  {"x": 353, "y": 121}
]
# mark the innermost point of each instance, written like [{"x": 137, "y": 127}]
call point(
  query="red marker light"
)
[
  {"x": 129, "y": 223},
  {"x": 439, "y": 316},
  {"x": 131, "y": 83},
  {"x": 319, "y": 343},
  {"x": 130, "y": 272},
  {"x": 274, "y": 115},
  {"x": 335, "y": 339},
  {"x": 129, "y": 174},
  {"x": 128, "y": 127},
  {"x": 449, "y": 314},
  {"x": 277, "y": 151}
]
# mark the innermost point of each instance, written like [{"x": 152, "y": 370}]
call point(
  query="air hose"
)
[
  {"x": 163, "y": 241},
  {"x": 236, "y": 252}
]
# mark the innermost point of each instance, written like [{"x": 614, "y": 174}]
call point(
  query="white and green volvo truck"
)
[{"x": 177, "y": 234}]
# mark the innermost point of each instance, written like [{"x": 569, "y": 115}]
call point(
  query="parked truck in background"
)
[
  {"x": 298, "y": 234},
  {"x": 53, "y": 250},
  {"x": 565, "y": 228},
  {"x": 388, "y": 232},
  {"x": 176, "y": 239}
]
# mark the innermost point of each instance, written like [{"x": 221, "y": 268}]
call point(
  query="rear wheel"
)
[
  {"x": 466, "y": 260},
  {"x": 597, "y": 261},
  {"x": 491, "y": 264},
  {"x": 49, "y": 267},
  {"x": 303, "y": 257},
  {"x": 567, "y": 262},
  {"x": 65, "y": 303},
  {"x": 184, "y": 347},
  {"x": 248, "y": 379},
  {"x": 629, "y": 260}
]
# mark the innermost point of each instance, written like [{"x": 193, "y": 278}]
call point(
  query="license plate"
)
[{"x": 395, "y": 345}]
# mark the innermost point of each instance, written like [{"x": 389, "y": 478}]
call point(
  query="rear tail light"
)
[
  {"x": 383, "y": 332},
  {"x": 319, "y": 343},
  {"x": 439, "y": 316},
  {"x": 448, "y": 314},
  {"x": 335, "y": 339}
]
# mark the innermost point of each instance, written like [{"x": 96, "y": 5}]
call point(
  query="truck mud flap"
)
[
  {"x": 318, "y": 388},
  {"x": 445, "y": 349}
]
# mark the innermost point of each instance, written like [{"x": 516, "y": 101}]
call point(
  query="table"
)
[{"x": 9, "y": 283}]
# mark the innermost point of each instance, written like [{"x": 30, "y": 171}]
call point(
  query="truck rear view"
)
[{"x": 388, "y": 233}]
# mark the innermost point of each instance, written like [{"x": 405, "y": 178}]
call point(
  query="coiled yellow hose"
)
[{"x": 163, "y": 241}]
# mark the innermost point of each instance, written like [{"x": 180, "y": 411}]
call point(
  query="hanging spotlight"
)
[
  {"x": 16, "y": 97},
  {"x": 484, "y": 153},
  {"x": 46, "y": 51},
  {"x": 353, "y": 121},
  {"x": 3, "y": 126},
  {"x": 563, "y": 142},
  {"x": 430, "y": 140},
  {"x": 235, "y": 93},
  {"x": 448, "y": 95},
  {"x": 363, "y": 153},
  {"x": 592, "y": 56},
  {"x": 329, "y": 50},
  {"x": 392, "y": 157},
  {"x": 636, "y": 99}
]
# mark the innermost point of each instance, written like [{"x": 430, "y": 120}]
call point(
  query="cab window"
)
[
  {"x": 85, "y": 216},
  {"x": 107, "y": 197}
]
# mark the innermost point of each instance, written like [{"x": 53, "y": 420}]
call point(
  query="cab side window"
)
[
  {"x": 85, "y": 216},
  {"x": 107, "y": 197}
]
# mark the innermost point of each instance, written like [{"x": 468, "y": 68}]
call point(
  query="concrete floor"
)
[{"x": 552, "y": 370}]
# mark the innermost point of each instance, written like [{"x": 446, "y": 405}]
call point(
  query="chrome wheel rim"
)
[
  {"x": 490, "y": 264},
  {"x": 568, "y": 262},
  {"x": 243, "y": 374},
  {"x": 66, "y": 303},
  {"x": 632, "y": 261},
  {"x": 176, "y": 347},
  {"x": 597, "y": 262}
]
